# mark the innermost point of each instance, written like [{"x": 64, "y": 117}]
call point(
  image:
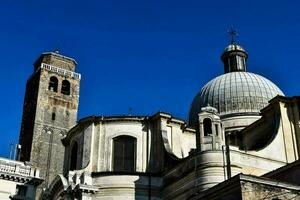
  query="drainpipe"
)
[{"x": 228, "y": 163}]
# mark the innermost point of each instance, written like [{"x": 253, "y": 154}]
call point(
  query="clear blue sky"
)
[{"x": 150, "y": 55}]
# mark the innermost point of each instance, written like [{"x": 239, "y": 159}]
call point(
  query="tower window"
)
[
  {"x": 53, "y": 116},
  {"x": 233, "y": 63},
  {"x": 53, "y": 83},
  {"x": 207, "y": 126},
  {"x": 73, "y": 163},
  {"x": 124, "y": 151},
  {"x": 65, "y": 87}
]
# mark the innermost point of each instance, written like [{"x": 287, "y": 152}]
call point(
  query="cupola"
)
[{"x": 234, "y": 58}]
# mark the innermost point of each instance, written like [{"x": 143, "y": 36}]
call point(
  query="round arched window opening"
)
[
  {"x": 53, "y": 84},
  {"x": 65, "y": 87},
  {"x": 207, "y": 126},
  {"x": 74, "y": 152}
]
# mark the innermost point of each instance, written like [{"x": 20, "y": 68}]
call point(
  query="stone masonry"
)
[{"x": 48, "y": 114}]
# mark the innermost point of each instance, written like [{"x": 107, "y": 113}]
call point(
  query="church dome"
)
[{"x": 237, "y": 92}]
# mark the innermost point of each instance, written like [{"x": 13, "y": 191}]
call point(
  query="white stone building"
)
[
  {"x": 18, "y": 180},
  {"x": 239, "y": 122}
]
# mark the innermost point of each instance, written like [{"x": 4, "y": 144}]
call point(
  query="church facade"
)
[{"x": 240, "y": 128}]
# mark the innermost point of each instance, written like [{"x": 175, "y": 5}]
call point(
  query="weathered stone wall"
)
[
  {"x": 95, "y": 140},
  {"x": 179, "y": 139},
  {"x": 56, "y": 59},
  {"x": 256, "y": 191},
  {"x": 50, "y": 115},
  {"x": 29, "y": 111},
  {"x": 47, "y": 149}
]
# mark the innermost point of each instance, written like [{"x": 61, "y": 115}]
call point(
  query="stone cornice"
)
[
  {"x": 60, "y": 71},
  {"x": 125, "y": 118},
  {"x": 61, "y": 56},
  {"x": 20, "y": 179},
  {"x": 18, "y": 172},
  {"x": 83, "y": 188}
]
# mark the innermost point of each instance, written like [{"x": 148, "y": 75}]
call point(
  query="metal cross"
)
[
  {"x": 233, "y": 34},
  {"x": 57, "y": 49},
  {"x": 130, "y": 111}
]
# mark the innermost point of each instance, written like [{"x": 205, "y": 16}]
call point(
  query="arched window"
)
[
  {"x": 124, "y": 153},
  {"x": 65, "y": 87},
  {"x": 74, "y": 152},
  {"x": 207, "y": 126},
  {"x": 53, "y": 83}
]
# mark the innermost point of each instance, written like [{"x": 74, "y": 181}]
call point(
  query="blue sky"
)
[{"x": 148, "y": 55}]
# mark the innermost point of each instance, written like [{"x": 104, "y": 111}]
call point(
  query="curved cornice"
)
[{"x": 124, "y": 118}]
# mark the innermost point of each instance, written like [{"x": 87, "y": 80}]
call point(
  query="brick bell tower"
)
[{"x": 50, "y": 110}]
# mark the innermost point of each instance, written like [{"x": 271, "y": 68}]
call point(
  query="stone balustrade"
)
[
  {"x": 60, "y": 71},
  {"x": 17, "y": 168}
]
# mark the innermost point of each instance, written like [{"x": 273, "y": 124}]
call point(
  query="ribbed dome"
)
[
  {"x": 235, "y": 93},
  {"x": 234, "y": 47}
]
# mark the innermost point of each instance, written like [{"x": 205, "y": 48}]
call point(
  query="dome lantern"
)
[{"x": 234, "y": 58}]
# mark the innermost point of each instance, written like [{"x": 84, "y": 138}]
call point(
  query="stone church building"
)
[{"x": 242, "y": 135}]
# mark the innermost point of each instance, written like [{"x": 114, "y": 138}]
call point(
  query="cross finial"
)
[
  {"x": 56, "y": 51},
  {"x": 130, "y": 111},
  {"x": 57, "y": 48},
  {"x": 233, "y": 34}
]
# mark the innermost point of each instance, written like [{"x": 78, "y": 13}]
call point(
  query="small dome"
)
[
  {"x": 234, "y": 58},
  {"x": 209, "y": 109},
  {"x": 234, "y": 47},
  {"x": 235, "y": 93}
]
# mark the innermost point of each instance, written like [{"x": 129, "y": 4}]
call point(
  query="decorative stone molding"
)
[
  {"x": 61, "y": 71},
  {"x": 18, "y": 171}
]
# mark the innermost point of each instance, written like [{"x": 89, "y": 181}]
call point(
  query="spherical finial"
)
[{"x": 56, "y": 51}]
